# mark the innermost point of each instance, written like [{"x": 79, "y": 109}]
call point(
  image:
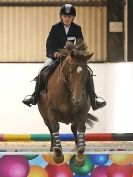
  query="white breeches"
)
[{"x": 47, "y": 62}]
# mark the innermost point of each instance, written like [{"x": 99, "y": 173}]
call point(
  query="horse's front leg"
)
[
  {"x": 56, "y": 143},
  {"x": 81, "y": 128},
  {"x": 74, "y": 131},
  {"x": 81, "y": 136},
  {"x": 49, "y": 127}
]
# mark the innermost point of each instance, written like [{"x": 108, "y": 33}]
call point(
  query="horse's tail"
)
[{"x": 91, "y": 119}]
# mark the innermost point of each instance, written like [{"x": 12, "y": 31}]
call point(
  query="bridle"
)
[{"x": 66, "y": 79}]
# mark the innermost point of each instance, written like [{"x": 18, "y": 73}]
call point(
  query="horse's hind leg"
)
[{"x": 80, "y": 158}]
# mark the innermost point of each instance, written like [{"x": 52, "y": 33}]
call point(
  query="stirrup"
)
[
  {"x": 101, "y": 98},
  {"x": 98, "y": 104},
  {"x": 27, "y": 96},
  {"x": 25, "y": 101}
]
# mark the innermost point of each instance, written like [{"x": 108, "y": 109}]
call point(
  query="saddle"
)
[{"x": 44, "y": 75}]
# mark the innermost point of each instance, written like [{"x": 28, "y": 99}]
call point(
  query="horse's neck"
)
[
  {"x": 64, "y": 66},
  {"x": 62, "y": 70}
]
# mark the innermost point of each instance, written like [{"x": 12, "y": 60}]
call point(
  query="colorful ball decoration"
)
[
  {"x": 81, "y": 176},
  {"x": 39, "y": 161},
  {"x": 81, "y": 170},
  {"x": 59, "y": 170},
  {"x": 99, "y": 159},
  {"x": 121, "y": 159},
  {"x": 14, "y": 166},
  {"x": 36, "y": 171},
  {"x": 100, "y": 171},
  {"x": 30, "y": 157},
  {"x": 120, "y": 170},
  {"x": 49, "y": 159}
]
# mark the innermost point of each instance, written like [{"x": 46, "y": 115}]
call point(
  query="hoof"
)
[
  {"x": 58, "y": 155},
  {"x": 80, "y": 150},
  {"x": 80, "y": 157},
  {"x": 80, "y": 160},
  {"x": 58, "y": 160}
]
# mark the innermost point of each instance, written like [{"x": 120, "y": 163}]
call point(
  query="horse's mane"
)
[{"x": 79, "y": 48}]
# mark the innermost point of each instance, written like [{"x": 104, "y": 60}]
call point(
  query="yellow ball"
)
[
  {"x": 121, "y": 159},
  {"x": 36, "y": 171},
  {"x": 49, "y": 159}
]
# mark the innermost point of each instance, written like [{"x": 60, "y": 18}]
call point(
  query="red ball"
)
[
  {"x": 14, "y": 166},
  {"x": 120, "y": 170},
  {"x": 100, "y": 171},
  {"x": 59, "y": 170}
]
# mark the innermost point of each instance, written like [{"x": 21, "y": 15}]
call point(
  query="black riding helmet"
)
[{"x": 68, "y": 9}]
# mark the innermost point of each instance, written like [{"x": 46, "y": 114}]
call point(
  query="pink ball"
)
[
  {"x": 100, "y": 171},
  {"x": 14, "y": 166},
  {"x": 120, "y": 170},
  {"x": 59, "y": 170}
]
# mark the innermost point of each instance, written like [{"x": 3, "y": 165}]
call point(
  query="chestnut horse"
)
[{"x": 67, "y": 101}]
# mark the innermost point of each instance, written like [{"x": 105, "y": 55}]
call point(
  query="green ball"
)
[
  {"x": 81, "y": 170},
  {"x": 30, "y": 157}
]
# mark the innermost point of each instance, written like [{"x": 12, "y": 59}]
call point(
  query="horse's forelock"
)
[
  {"x": 69, "y": 45},
  {"x": 79, "y": 49},
  {"x": 79, "y": 54},
  {"x": 67, "y": 48}
]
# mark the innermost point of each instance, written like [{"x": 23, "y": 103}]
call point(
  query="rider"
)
[{"x": 65, "y": 30}]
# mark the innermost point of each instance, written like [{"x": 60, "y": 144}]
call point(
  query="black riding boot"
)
[
  {"x": 95, "y": 101},
  {"x": 41, "y": 80},
  {"x": 32, "y": 99}
]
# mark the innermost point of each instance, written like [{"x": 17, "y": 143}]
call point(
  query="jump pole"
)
[{"x": 68, "y": 137}]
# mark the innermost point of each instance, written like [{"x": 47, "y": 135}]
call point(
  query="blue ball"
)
[
  {"x": 99, "y": 159},
  {"x": 38, "y": 161},
  {"x": 81, "y": 176}
]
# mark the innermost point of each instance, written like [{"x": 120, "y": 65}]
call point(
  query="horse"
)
[{"x": 67, "y": 101}]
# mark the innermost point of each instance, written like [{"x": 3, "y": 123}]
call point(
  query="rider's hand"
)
[
  {"x": 56, "y": 55},
  {"x": 59, "y": 55}
]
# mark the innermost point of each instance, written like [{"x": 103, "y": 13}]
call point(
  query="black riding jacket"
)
[{"x": 57, "y": 37}]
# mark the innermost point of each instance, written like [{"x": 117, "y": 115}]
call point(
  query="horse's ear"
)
[
  {"x": 81, "y": 45},
  {"x": 69, "y": 45},
  {"x": 89, "y": 55},
  {"x": 79, "y": 41}
]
